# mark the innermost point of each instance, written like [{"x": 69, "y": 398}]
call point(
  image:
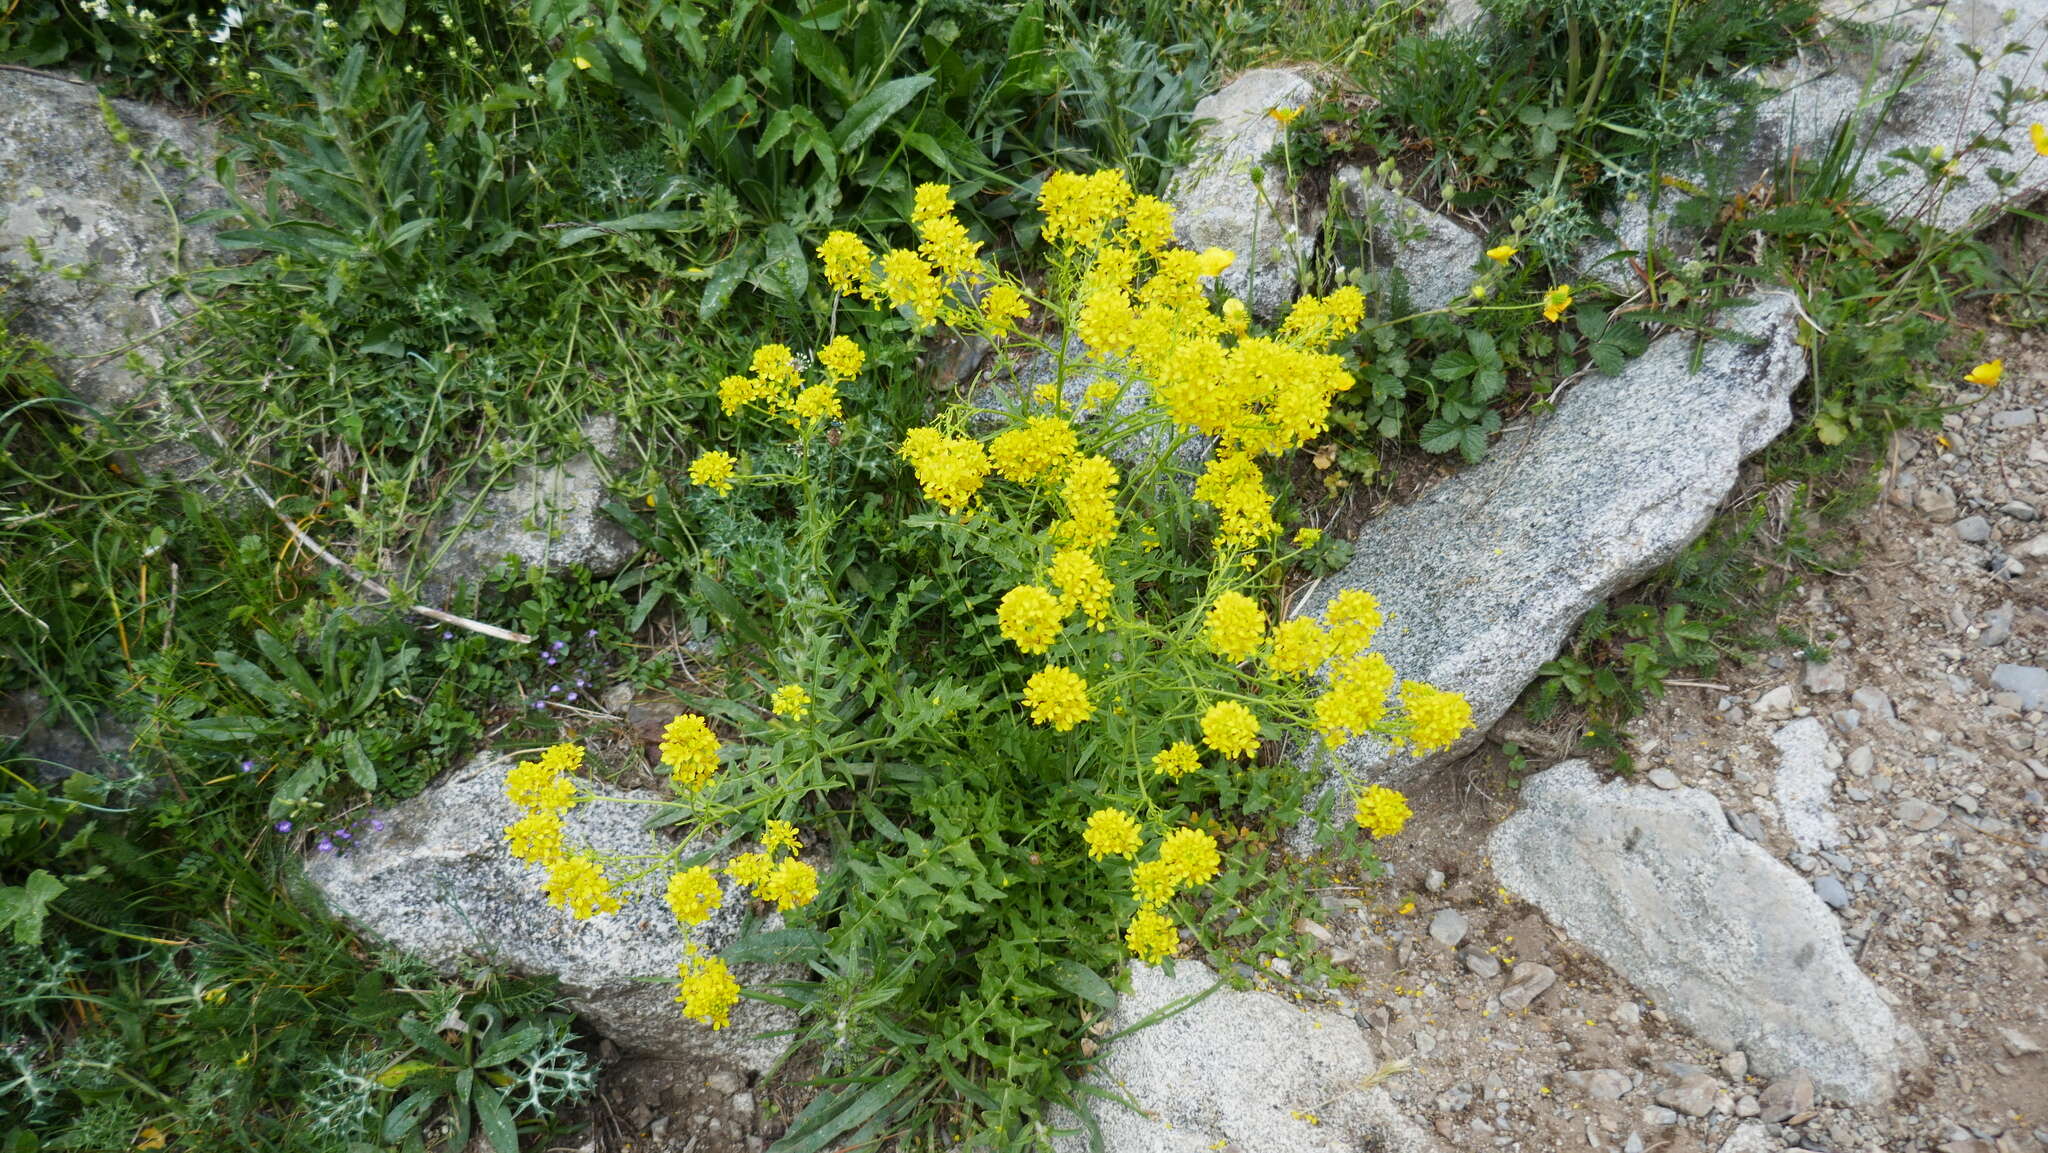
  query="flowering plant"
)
[{"x": 1045, "y": 750}]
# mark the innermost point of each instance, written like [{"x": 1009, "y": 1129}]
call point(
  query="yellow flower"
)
[
  {"x": 782, "y": 835},
  {"x": 1177, "y": 760},
  {"x": 1152, "y": 937},
  {"x": 848, "y": 263},
  {"x": 2038, "y": 132},
  {"x": 1283, "y": 116},
  {"x": 789, "y": 884},
  {"x": 1501, "y": 253},
  {"x": 842, "y": 358},
  {"x": 1556, "y": 301},
  {"x": 1479, "y": 292},
  {"x": 1300, "y": 646},
  {"x": 1436, "y": 718},
  {"x": 1154, "y": 882},
  {"x": 1058, "y": 697},
  {"x": 1357, "y": 698},
  {"x": 775, "y": 364},
  {"x": 1077, "y": 207},
  {"x": 930, "y": 202},
  {"x": 750, "y": 869},
  {"x": 1308, "y": 537},
  {"x": 1082, "y": 584},
  {"x": 1031, "y": 618},
  {"x": 706, "y": 990},
  {"x": 1004, "y": 306},
  {"x": 949, "y": 249},
  {"x": 693, "y": 895},
  {"x": 791, "y": 702},
  {"x": 581, "y": 63},
  {"x": 1381, "y": 811},
  {"x": 579, "y": 885},
  {"x": 950, "y": 469},
  {"x": 1235, "y": 487},
  {"x": 1112, "y": 833},
  {"x": 539, "y": 786},
  {"x": 536, "y": 837},
  {"x": 909, "y": 282},
  {"x": 816, "y": 403},
  {"x": 713, "y": 470},
  {"x": 1089, "y": 496},
  {"x": 1354, "y": 616},
  {"x": 1987, "y": 374},
  {"x": 1037, "y": 449},
  {"x": 1193, "y": 855},
  {"x": 1230, "y": 729},
  {"x": 690, "y": 750},
  {"x": 1236, "y": 627},
  {"x": 1148, "y": 223}
]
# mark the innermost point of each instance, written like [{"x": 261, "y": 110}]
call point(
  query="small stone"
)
[
  {"x": 1747, "y": 1106},
  {"x": 1657, "y": 1116},
  {"x": 1862, "y": 759},
  {"x": 1479, "y": 962},
  {"x": 1974, "y": 529},
  {"x": 1826, "y": 677},
  {"x": 1874, "y": 702},
  {"x": 2018, "y": 510},
  {"x": 1448, "y": 927},
  {"x": 2013, "y": 418},
  {"x": 2029, "y": 681},
  {"x": 1599, "y": 1084},
  {"x": 1918, "y": 815},
  {"x": 1937, "y": 500},
  {"x": 1748, "y": 824},
  {"x": 1664, "y": 778},
  {"x": 1997, "y": 626},
  {"x": 1525, "y": 984},
  {"x": 2019, "y": 1044},
  {"x": 1778, "y": 700},
  {"x": 725, "y": 1082},
  {"x": 1830, "y": 890},
  {"x": 1788, "y": 1097},
  {"x": 1692, "y": 1096},
  {"x": 2034, "y": 549},
  {"x": 1435, "y": 881},
  {"x": 1736, "y": 1065}
]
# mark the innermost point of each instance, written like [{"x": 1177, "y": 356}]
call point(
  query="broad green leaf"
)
[
  {"x": 255, "y": 682},
  {"x": 360, "y": 770},
  {"x": 24, "y": 906},
  {"x": 1082, "y": 982},
  {"x": 873, "y": 110},
  {"x": 496, "y": 1120},
  {"x": 402, "y": 1072}
]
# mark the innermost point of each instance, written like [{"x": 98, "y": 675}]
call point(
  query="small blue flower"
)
[
  {"x": 248, "y": 766},
  {"x": 325, "y": 845},
  {"x": 284, "y": 826}
]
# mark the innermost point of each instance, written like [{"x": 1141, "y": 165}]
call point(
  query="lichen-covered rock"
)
[
  {"x": 1730, "y": 942},
  {"x": 1429, "y": 255},
  {"x": 438, "y": 883},
  {"x": 90, "y": 224},
  {"x": 1485, "y": 576},
  {"x": 1240, "y": 1070},
  {"x": 1219, "y": 205},
  {"x": 550, "y": 516}
]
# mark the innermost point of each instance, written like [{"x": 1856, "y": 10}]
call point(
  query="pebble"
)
[
  {"x": 1918, "y": 815},
  {"x": 1693, "y": 1096},
  {"x": 1747, "y": 1106},
  {"x": 1657, "y": 1116},
  {"x": 1831, "y": 891},
  {"x": 1874, "y": 703},
  {"x": 1997, "y": 626},
  {"x": 725, "y": 1081},
  {"x": 1788, "y": 1097},
  {"x": 1862, "y": 759},
  {"x": 2034, "y": 549},
  {"x": 2019, "y": 1044},
  {"x": 1663, "y": 778},
  {"x": 1777, "y": 700},
  {"x": 1435, "y": 881},
  {"x": 1937, "y": 500},
  {"x": 2029, "y": 681},
  {"x": 1479, "y": 962},
  {"x": 2018, "y": 510},
  {"x": 1448, "y": 927},
  {"x": 2013, "y": 418},
  {"x": 1748, "y": 824},
  {"x": 1525, "y": 984},
  {"x": 1736, "y": 1065},
  {"x": 1599, "y": 1084},
  {"x": 1826, "y": 677},
  {"x": 1974, "y": 529}
]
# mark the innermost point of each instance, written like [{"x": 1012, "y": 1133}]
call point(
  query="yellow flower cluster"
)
[
  {"x": 946, "y": 257},
  {"x": 1152, "y": 937},
  {"x": 1177, "y": 760},
  {"x": 1082, "y": 584},
  {"x": 693, "y": 895},
  {"x": 776, "y": 386},
  {"x": 1187, "y": 858},
  {"x": 1089, "y": 496},
  {"x": 950, "y": 469},
  {"x": 790, "y": 702},
  {"x": 1236, "y": 627},
  {"x": 714, "y": 470},
  {"x": 1381, "y": 811},
  {"x": 1231, "y": 729},
  {"x": 1039, "y": 449},
  {"x": 1436, "y": 718},
  {"x": 1236, "y": 488},
  {"x": 542, "y": 792},
  {"x": 705, "y": 988},
  {"x": 579, "y": 885},
  {"x": 1058, "y": 697},
  {"x": 1112, "y": 833},
  {"x": 690, "y": 751},
  {"x": 788, "y": 883},
  {"x": 1031, "y": 618}
]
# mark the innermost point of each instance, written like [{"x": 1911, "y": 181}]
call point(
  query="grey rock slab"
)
[
  {"x": 545, "y": 515},
  {"x": 1787, "y": 1097},
  {"x": 2029, "y": 681},
  {"x": 1974, "y": 529},
  {"x": 89, "y": 231},
  {"x": 1479, "y": 962},
  {"x": 1527, "y": 982},
  {"x": 1487, "y": 574},
  {"x": 1222, "y": 1068},
  {"x": 1426, "y": 254},
  {"x": 1218, "y": 204},
  {"x": 1730, "y": 942},
  {"x": 1804, "y": 784},
  {"x": 1875, "y": 703},
  {"x": 1448, "y": 927},
  {"x": 1692, "y": 1095},
  {"x": 1829, "y": 889},
  {"x": 439, "y": 884}
]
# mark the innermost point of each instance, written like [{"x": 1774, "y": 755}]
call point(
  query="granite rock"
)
[{"x": 1218, "y": 204}]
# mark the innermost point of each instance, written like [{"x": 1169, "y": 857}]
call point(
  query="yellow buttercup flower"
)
[
  {"x": 714, "y": 470},
  {"x": 1152, "y": 937},
  {"x": 1556, "y": 301},
  {"x": 1058, "y": 697},
  {"x": 1501, "y": 253},
  {"x": 1230, "y": 729},
  {"x": 1987, "y": 374},
  {"x": 1177, "y": 760},
  {"x": 2038, "y": 132},
  {"x": 693, "y": 895},
  {"x": 1283, "y": 116},
  {"x": 1381, "y": 811},
  {"x": 1112, "y": 833}
]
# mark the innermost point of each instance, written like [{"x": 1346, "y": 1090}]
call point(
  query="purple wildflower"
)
[
  {"x": 325, "y": 845},
  {"x": 248, "y": 766},
  {"x": 284, "y": 826}
]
